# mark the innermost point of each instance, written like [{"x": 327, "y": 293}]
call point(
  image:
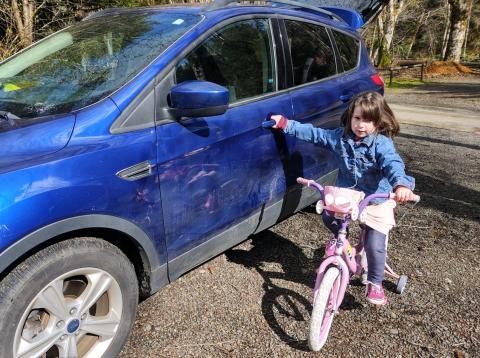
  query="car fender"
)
[{"x": 158, "y": 273}]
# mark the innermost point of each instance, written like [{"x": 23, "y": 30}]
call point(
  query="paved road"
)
[{"x": 437, "y": 117}]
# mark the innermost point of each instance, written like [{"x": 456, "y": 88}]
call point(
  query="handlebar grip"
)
[
  {"x": 268, "y": 124},
  {"x": 416, "y": 198},
  {"x": 303, "y": 181}
]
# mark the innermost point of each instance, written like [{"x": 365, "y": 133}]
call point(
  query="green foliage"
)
[
  {"x": 420, "y": 30},
  {"x": 403, "y": 83},
  {"x": 418, "y": 34}
]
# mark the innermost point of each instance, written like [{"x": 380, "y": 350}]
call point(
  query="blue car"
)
[{"x": 133, "y": 151}]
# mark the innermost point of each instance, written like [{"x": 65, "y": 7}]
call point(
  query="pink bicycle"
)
[{"x": 341, "y": 260}]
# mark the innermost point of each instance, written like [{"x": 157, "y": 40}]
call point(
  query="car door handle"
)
[
  {"x": 137, "y": 171},
  {"x": 345, "y": 97}
]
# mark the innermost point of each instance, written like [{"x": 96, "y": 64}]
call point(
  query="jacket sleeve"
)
[
  {"x": 392, "y": 166},
  {"x": 327, "y": 138}
]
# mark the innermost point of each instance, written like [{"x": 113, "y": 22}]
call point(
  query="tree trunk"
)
[
  {"x": 24, "y": 20},
  {"x": 372, "y": 43},
  {"x": 446, "y": 33},
  {"x": 470, "y": 9},
  {"x": 28, "y": 6},
  {"x": 458, "y": 24},
  {"x": 418, "y": 26},
  {"x": 376, "y": 44},
  {"x": 392, "y": 10}
]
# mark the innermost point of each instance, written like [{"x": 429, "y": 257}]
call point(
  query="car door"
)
[
  {"x": 316, "y": 90},
  {"x": 221, "y": 176}
]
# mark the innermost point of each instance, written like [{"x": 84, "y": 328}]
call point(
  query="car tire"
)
[{"x": 75, "y": 298}]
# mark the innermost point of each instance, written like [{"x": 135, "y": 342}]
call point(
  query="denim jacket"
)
[{"x": 371, "y": 165}]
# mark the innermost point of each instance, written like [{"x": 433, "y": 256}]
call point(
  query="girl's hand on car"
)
[
  {"x": 403, "y": 194},
  {"x": 280, "y": 121}
]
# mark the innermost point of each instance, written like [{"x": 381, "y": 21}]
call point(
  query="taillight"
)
[{"x": 378, "y": 80}]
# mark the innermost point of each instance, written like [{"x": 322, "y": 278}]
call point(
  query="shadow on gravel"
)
[
  {"x": 453, "y": 89},
  {"x": 439, "y": 191},
  {"x": 448, "y": 197},
  {"x": 441, "y": 141},
  {"x": 280, "y": 302}
]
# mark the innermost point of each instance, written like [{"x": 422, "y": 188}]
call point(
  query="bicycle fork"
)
[
  {"x": 338, "y": 262},
  {"x": 345, "y": 260}
]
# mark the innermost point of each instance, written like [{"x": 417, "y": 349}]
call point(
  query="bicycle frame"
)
[{"x": 345, "y": 258}]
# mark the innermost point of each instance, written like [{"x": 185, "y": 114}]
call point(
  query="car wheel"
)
[{"x": 76, "y": 298}]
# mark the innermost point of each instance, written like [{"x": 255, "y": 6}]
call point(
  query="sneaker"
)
[{"x": 375, "y": 294}]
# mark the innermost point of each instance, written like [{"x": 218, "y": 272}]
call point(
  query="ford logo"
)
[{"x": 73, "y": 326}]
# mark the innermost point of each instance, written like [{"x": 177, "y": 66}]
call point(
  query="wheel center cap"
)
[{"x": 73, "y": 325}]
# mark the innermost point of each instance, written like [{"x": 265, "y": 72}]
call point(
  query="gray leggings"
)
[{"x": 374, "y": 248}]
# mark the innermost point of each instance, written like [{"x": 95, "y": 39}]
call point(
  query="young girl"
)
[{"x": 367, "y": 162}]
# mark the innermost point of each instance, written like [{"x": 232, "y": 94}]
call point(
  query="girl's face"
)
[{"x": 361, "y": 127}]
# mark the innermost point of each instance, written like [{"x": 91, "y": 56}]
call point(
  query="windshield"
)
[{"x": 84, "y": 63}]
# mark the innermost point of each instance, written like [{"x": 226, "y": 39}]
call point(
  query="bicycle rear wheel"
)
[{"x": 323, "y": 309}]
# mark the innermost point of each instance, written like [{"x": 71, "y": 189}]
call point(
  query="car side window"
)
[
  {"x": 238, "y": 57},
  {"x": 348, "y": 48},
  {"x": 311, "y": 52}
]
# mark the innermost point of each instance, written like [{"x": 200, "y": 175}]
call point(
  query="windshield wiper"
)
[{"x": 8, "y": 118}]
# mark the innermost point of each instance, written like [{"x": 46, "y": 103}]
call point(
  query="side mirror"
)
[{"x": 198, "y": 99}]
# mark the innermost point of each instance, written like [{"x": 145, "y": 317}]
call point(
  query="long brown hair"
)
[{"x": 373, "y": 107}]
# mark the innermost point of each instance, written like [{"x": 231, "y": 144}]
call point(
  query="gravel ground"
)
[
  {"x": 457, "y": 91},
  {"x": 254, "y": 301}
]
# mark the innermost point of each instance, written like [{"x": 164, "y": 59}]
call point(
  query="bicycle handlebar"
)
[
  {"x": 416, "y": 198},
  {"x": 363, "y": 203},
  {"x": 310, "y": 182},
  {"x": 303, "y": 181}
]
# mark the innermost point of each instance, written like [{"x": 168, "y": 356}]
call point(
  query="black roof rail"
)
[{"x": 218, "y": 4}]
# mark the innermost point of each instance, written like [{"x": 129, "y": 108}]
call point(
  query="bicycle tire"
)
[{"x": 320, "y": 323}]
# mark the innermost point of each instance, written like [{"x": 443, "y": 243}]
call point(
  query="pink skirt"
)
[{"x": 381, "y": 217}]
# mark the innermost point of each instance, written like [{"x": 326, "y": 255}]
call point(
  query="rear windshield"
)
[{"x": 84, "y": 63}]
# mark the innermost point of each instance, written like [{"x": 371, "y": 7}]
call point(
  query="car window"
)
[
  {"x": 238, "y": 57},
  {"x": 86, "y": 62},
  {"x": 311, "y": 52},
  {"x": 348, "y": 48}
]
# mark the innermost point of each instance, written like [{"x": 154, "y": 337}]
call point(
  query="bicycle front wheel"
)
[{"x": 323, "y": 309}]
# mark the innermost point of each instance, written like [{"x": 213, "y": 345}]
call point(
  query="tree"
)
[
  {"x": 457, "y": 29},
  {"x": 416, "y": 28},
  {"x": 473, "y": 43},
  {"x": 390, "y": 14},
  {"x": 405, "y": 28},
  {"x": 465, "y": 42},
  {"x": 23, "y": 16},
  {"x": 384, "y": 30}
]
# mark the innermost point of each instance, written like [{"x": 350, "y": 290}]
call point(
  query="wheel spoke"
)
[
  {"x": 35, "y": 348},
  {"x": 52, "y": 300},
  {"x": 104, "y": 327},
  {"x": 97, "y": 285},
  {"x": 80, "y": 335},
  {"x": 68, "y": 347}
]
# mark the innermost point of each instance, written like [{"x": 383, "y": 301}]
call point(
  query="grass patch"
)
[{"x": 403, "y": 83}]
